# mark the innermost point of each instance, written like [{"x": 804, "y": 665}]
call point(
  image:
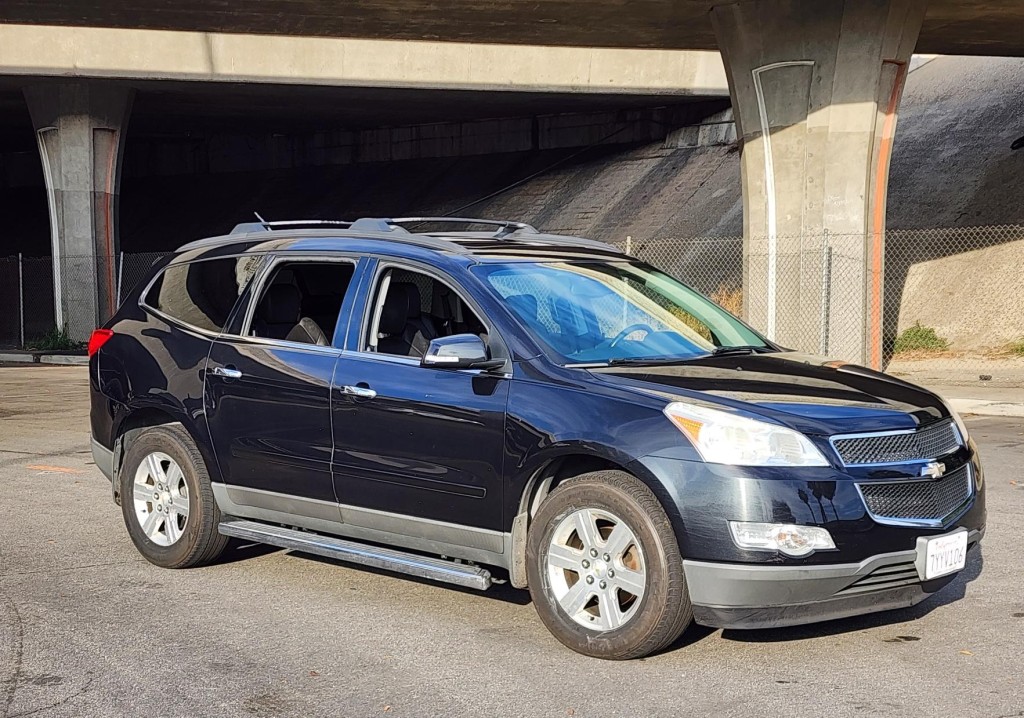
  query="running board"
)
[{"x": 388, "y": 559}]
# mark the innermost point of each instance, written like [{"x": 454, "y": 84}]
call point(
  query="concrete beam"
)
[
  {"x": 85, "y": 52},
  {"x": 815, "y": 86},
  {"x": 80, "y": 131}
]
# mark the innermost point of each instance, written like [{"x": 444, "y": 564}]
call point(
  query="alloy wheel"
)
[
  {"x": 596, "y": 569},
  {"x": 160, "y": 495}
]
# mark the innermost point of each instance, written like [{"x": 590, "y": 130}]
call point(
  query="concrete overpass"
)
[
  {"x": 952, "y": 27},
  {"x": 815, "y": 87}
]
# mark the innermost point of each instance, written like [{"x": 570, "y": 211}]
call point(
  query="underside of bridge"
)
[
  {"x": 815, "y": 87},
  {"x": 953, "y": 27},
  {"x": 90, "y": 169}
]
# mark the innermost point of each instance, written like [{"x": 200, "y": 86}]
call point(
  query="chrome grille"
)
[
  {"x": 926, "y": 502},
  {"x": 924, "y": 444}
]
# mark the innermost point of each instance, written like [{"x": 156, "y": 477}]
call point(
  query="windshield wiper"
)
[
  {"x": 716, "y": 352},
  {"x": 746, "y": 349},
  {"x": 648, "y": 361}
]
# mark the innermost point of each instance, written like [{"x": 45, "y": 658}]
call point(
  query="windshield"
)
[{"x": 600, "y": 312}]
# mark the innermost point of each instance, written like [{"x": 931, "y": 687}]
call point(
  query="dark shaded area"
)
[
  {"x": 504, "y": 591},
  {"x": 162, "y": 213}
]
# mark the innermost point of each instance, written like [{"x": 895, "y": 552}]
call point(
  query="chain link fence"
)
[
  {"x": 37, "y": 312},
  {"x": 938, "y": 306},
  {"x": 935, "y": 306}
]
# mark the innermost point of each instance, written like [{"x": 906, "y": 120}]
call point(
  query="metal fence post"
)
[
  {"x": 21, "y": 305},
  {"x": 826, "y": 292}
]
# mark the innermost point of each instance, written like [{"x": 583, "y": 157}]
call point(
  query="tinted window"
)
[{"x": 201, "y": 294}]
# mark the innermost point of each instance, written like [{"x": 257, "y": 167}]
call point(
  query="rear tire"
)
[
  {"x": 604, "y": 568},
  {"x": 167, "y": 500}
]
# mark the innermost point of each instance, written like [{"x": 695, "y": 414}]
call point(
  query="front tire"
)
[
  {"x": 604, "y": 568},
  {"x": 167, "y": 501}
]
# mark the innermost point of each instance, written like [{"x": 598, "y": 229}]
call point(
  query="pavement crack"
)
[
  {"x": 11, "y": 684},
  {"x": 55, "y": 704},
  {"x": 79, "y": 567},
  {"x": 20, "y": 455}
]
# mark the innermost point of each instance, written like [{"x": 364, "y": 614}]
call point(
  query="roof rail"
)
[
  {"x": 374, "y": 224},
  {"x": 507, "y": 231},
  {"x": 507, "y": 226},
  {"x": 246, "y": 227}
]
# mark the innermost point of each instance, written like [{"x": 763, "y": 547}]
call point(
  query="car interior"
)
[
  {"x": 301, "y": 302},
  {"x": 414, "y": 310}
]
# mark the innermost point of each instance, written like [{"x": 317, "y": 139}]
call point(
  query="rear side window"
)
[
  {"x": 201, "y": 294},
  {"x": 301, "y": 301}
]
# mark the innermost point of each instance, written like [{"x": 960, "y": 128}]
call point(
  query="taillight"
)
[{"x": 99, "y": 338}]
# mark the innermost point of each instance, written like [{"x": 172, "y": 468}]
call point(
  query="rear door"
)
[{"x": 268, "y": 387}]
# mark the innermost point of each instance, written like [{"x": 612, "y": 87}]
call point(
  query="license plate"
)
[{"x": 942, "y": 555}]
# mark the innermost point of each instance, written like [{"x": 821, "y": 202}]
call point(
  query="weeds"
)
[
  {"x": 55, "y": 340},
  {"x": 1016, "y": 348},
  {"x": 919, "y": 339}
]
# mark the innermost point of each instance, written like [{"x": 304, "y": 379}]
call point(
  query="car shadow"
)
[
  {"x": 239, "y": 550},
  {"x": 954, "y": 591},
  {"x": 504, "y": 592}
]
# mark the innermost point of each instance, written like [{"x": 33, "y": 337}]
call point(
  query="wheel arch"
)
[
  {"x": 557, "y": 468},
  {"x": 137, "y": 420}
]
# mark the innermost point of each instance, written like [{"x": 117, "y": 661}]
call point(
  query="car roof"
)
[{"x": 511, "y": 241}]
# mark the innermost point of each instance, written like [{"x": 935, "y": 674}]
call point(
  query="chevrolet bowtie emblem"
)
[{"x": 933, "y": 469}]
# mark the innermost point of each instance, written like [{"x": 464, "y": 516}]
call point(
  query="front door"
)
[
  {"x": 268, "y": 390},
  {"x": 418, "y": 451}
]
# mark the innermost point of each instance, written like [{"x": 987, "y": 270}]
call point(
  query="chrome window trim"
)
[
  {"x": 279, "y": 343},
  {"x": 953, "y": 516},
  {"x": 898, "y": 432},
  {"x": 265, "y": 272}
]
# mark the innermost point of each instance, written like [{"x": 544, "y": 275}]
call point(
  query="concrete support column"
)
[
  {"x": 80, "y": 131},
  {"x": 815, "y": 87}
]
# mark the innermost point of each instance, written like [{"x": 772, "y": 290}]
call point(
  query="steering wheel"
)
[{"x": 629, "y": 330}]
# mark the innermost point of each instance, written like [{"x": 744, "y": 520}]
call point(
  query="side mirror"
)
[{"x": 459, "y": 351}]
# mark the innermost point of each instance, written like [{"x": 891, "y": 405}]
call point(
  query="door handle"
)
[
  {"x": 363, "y": 392},
  {"x": 227, "y": 372}
]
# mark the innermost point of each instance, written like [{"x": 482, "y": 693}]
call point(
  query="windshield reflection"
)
[{"x": 615, "y": 312}]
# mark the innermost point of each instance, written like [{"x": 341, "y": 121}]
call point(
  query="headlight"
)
[
  {"x": 787, "y": 538},
  {"x": 724, "y": 438}
]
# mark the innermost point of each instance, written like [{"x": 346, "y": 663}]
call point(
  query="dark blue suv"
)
[{"x": 444, "y": 403}]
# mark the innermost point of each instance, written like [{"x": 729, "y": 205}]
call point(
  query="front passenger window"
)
[
  {"x": 300, "y": 302},
  {"x": 411, "y": 309}
]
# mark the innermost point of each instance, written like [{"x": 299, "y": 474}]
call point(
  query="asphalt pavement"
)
[{"x": 89, "y": 628}]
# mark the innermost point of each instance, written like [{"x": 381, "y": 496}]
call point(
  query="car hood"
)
[{"x": 808, "y": 393}]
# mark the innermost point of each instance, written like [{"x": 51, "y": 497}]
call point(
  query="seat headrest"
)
[
  {"x": 282, "y": 304},
  {"x": 412, "y": 292},
  {"x": 525, "y": 305},
  {"x": 395, "y": 312},
  {"x": 445, "y": 303}
]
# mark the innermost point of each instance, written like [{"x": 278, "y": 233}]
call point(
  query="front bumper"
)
[{"x": 751, "y": 596}]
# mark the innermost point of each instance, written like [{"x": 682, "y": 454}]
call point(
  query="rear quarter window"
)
[{"x": 201, "y": 294}]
